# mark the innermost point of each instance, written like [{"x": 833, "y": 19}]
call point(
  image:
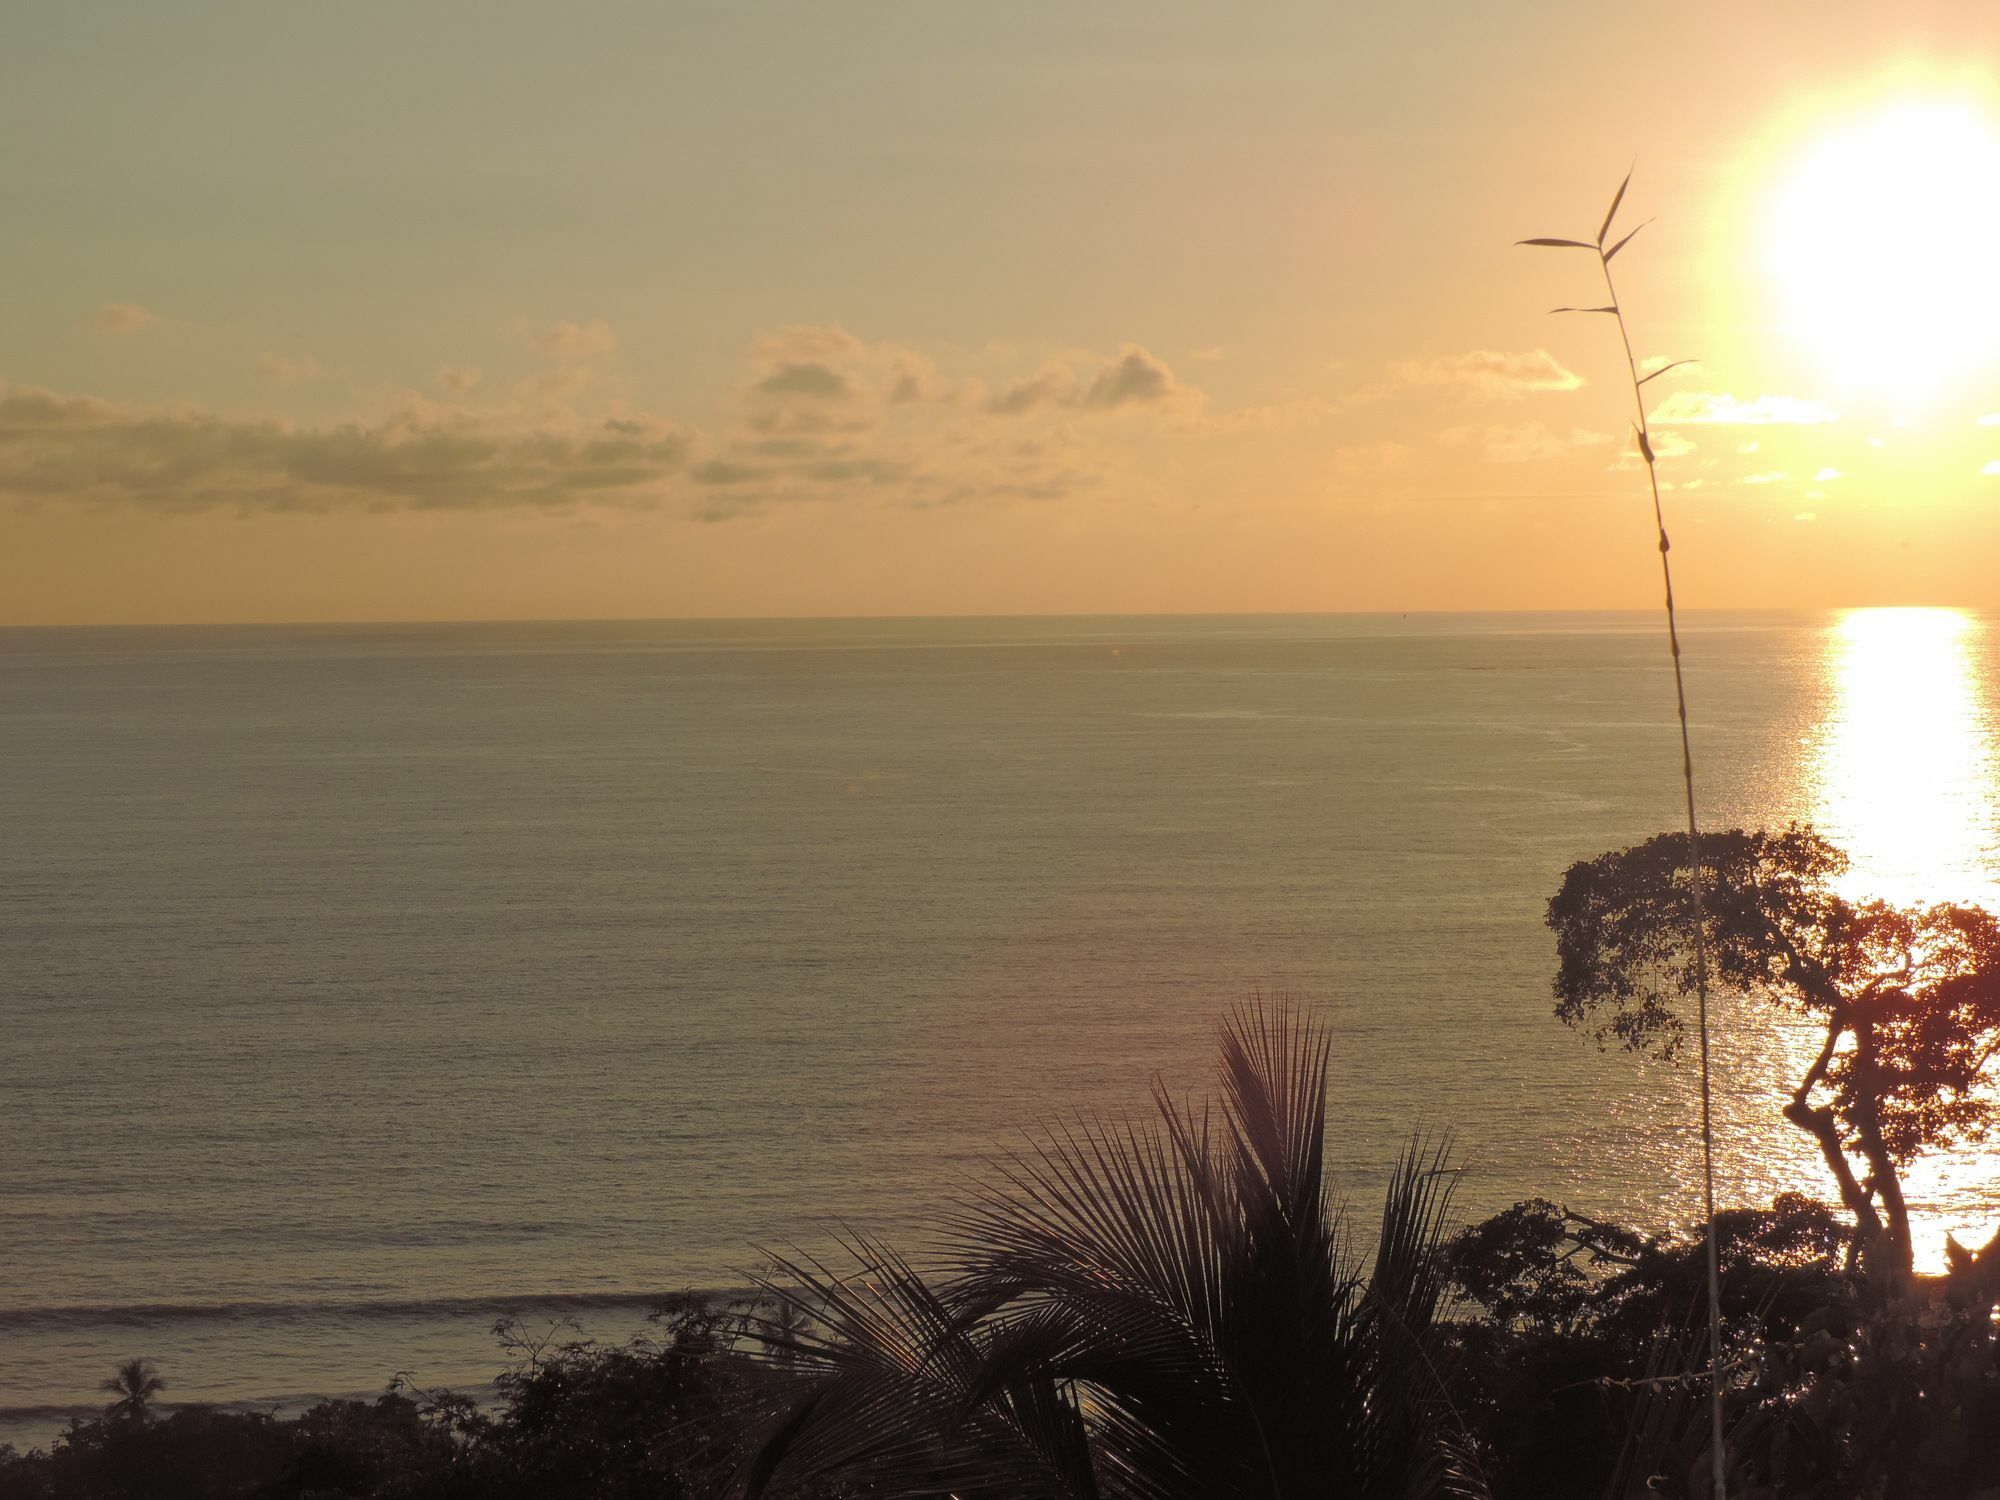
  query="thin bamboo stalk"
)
[{"x": 1719, "y": 1467}]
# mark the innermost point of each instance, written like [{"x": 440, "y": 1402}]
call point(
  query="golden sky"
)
[{"x": 480, "y": 310}]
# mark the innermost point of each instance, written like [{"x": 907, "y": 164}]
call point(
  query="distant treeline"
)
[{"x": 656, "y": 1417}]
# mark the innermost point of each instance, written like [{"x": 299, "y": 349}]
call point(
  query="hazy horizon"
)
[{"x": 1649, "y": 615}]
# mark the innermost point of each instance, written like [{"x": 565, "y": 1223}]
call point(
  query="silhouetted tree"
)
[
  {"x": 649, "y": 1419},
  {"x": 135, "y": 1384},
  {"x": 1163, "y": 1311},
  {"x": 1908, "y": 997}
]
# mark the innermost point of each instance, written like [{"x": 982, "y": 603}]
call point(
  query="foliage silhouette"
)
[
  {"x": 574, "y": 1421},
  {"x": 1908, "y": 997},
  {"x": 1574, "y": 1378},
  {"x": 1161, "y": 1309},
  {"x": 135, "y": 1383}
]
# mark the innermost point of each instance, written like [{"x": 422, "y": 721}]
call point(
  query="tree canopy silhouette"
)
[
  {"x": 1908, "y": 997},
  {"x": 135, "y": 1383}
]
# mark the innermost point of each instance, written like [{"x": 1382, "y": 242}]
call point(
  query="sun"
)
[{"x": 1883, "y": 243}]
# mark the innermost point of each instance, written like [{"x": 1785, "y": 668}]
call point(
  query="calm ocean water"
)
[{"x": 358, "y": 985}]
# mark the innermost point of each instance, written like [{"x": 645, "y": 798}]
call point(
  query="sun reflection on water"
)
[
  {"x": 1905, "y": 764},
  {"x": 1904, "y": 781}
]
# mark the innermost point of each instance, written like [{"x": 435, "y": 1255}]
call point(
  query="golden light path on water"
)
[{"x": 1903, "y": 773}]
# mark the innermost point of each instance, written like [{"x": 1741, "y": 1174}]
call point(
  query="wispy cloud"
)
[
  {"x": 1134, "y": 379},
  {"x": 1049, "y": 386},
  {"x": 824, "y": 414},
  {"x": 1698, "y": 408},
  {"x": 818, "y": 415},
  {"x": 811, "y": 379},
  {"x": 123, "y": 317},
  {"x": 76, "y": 449},
  {"x": 1487, "y": 374}
]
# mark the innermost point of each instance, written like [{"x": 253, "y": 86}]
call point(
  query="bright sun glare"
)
[{"x": 1883, "y": 248}]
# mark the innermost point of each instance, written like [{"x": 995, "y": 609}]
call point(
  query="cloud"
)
[
  {"x": 574, "y": 343},
  {"x": 73, "y": 448},
  {"x": 811, "y": 379},
  {"x": 1806, "y": 516},
  {"x": 1826, "y": 474},
  {"x": 818, "y": 416},
  {"x": 1697, "y": 408},
  {"x": 721, "y": 471},
  {"x": 1049, "y": 386},
  {"x": 1991, "y": 466},
  {"x": 1774, "y": 476},
  {"x": 823, "y": 414},
  {"x": 1136, "y": 378},
  {"x": 123, "y": 317},
  {"x": 826, "y": 342},
  {"x": 288, "y": 369},
  {"x": 1488, "y": 375}
]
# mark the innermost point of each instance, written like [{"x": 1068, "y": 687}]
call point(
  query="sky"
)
[{"x": 440, "y": 310}]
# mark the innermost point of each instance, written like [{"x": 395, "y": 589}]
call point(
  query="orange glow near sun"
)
[{"x": 1882, "y": 247}]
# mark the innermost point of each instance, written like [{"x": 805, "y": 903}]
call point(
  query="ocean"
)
[{"x": 360, "y": 985}]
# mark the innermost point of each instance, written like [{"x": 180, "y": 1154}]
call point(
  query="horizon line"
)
[{"x": 914, "y": 616}]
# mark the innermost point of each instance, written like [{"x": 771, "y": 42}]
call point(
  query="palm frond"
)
[
  {"x": 877, "y": 1383},
  {"x": 1155, "y": 1310}
]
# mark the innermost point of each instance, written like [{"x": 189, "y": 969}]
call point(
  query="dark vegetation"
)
[
  {"x": 652, "y": 1418},
  {"x": 1177, "y": 1307}
]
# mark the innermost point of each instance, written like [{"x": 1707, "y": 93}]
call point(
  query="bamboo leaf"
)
[
  {"x": 1625, "y": 241},
  {"x": 1584, "y": 309},
  {"x": 1569, "y": 244},
  {"x": 1664, "y": 368},
  {"x": 1645, "y": 447},
  {"x": 1612, "y": 212}
]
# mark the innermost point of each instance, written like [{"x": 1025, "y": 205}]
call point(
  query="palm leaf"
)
[{"x": 1153, "y": 1310}]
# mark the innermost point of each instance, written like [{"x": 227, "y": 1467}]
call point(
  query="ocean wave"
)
[
  {"x": 161, "y": 1314},
  {"x": 15, "y": 1416}
]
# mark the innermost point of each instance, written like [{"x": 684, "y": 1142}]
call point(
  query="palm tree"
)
[
  {"x": 135, "y": 1384},
  {"x": 1156, "y": 1310}
]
